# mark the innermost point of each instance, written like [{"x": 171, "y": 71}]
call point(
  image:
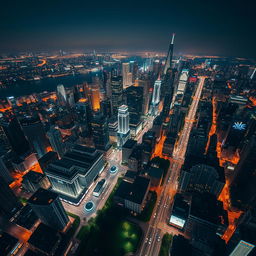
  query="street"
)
[{"x": 157, "y": 225}]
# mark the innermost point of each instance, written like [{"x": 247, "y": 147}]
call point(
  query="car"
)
[{"x": 158, "y": 239}]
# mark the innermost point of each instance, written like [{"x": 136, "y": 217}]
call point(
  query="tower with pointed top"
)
[
  {"x": 168, "y": 61},
  {"x": 168, "y": 76}
]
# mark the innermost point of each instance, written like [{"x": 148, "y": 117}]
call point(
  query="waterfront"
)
[{"x": 21, "y": 88}]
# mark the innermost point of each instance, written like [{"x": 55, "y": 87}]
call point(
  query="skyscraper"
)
[
  {"x": 100, "y": 132},
  {"x": 134, "y": 70},
  {"x": 123, "y": 119},
  {"x": 4, "y": 143},
  {"x": 48, "y": 208},
  {"x": 117, "y": 93},
  {"x": 15, "y": 135},
  {"x": 9, "y": 202},
  {"x": 168, "y": 90},
  {"x": 77, "y": 93},
  {"x": 55, "y": 139},
  {"x": 243, "y": 186},
  {"x": 156, "y": 96},
  {"x": 127, "y": 75},
  {"x": 156, "y": 92},
  {"x": 182, "y": 81},
  {"x": 134, "y": 96},
  {"x": 61, "y": 95},
  {"x": 145, "y": 84},
  {"x": 4, "y": 172},
  {"x": 35, "y": 133},
  {"x": 70, "y": 98},
  {"x": 95, "y": 97},
  {"x": 168, "y": 62},
  {"x": 106, "y": 108},
  {"x": 123, "y": 125}
]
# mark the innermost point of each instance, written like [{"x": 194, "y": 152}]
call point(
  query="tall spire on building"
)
[{"x": 168, "y": 62}]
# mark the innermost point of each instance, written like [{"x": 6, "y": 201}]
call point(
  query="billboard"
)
[{"x": 177, "y": 221}]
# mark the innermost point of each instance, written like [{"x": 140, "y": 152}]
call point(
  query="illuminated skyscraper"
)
[
  {"x": 127, "y": 75},
  {"x": 156, "y": 92},
  {"x": 117, "y": 93},
  {"x": 95, "y": 97},
  {"x": 123, "y": 125},
  {"x": 156, "y": 67},
  {"x": 156, "y": 96},
  {"x": 182, "y": 81},
  {"x": 61, "y": 95},
  {"x": 123, "y": 119}
]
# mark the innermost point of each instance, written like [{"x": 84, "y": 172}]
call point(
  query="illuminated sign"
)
[
  {"x": 174, "y": 220},
  {"x": 239, "y": 126}
]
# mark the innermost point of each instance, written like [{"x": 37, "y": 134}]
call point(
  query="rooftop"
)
[
  {"x": 135, "y": 191},
  {"x": 34, "y": 177},
  {"x": 45, "y": 239},
  {"x": 48, "y": 156},
  {"x": 26, "y": 218},
  {"x": 155, "y": 172},
  {"x": 7, "y": 243},
  {"x": 130, "y": 174},
  {"x": 78, "y": 160},
  {"x": 207, "y": 207},
  {"x": 130, "y": 143},
  {"x": 43, "y": 197},
  {"x": 180, "y": 207},
  {"x": 197, "y": 160}
]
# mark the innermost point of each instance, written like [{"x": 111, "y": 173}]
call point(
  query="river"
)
[{"x": 21, "y": 88}]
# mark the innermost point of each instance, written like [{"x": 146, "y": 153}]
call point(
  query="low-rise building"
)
[
  {"x": 133, "y": 196},
  {"x": 74, "y": 173}
]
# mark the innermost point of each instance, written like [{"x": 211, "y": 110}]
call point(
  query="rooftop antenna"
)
[{"x": 173, "y": 36}]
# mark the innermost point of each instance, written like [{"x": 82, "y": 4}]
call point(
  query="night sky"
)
[{"x": 202, "y": 27}]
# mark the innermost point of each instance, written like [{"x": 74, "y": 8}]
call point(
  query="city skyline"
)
[
  {"x": 201, "y": 28},
  {"x": 128, "y": 152}
]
